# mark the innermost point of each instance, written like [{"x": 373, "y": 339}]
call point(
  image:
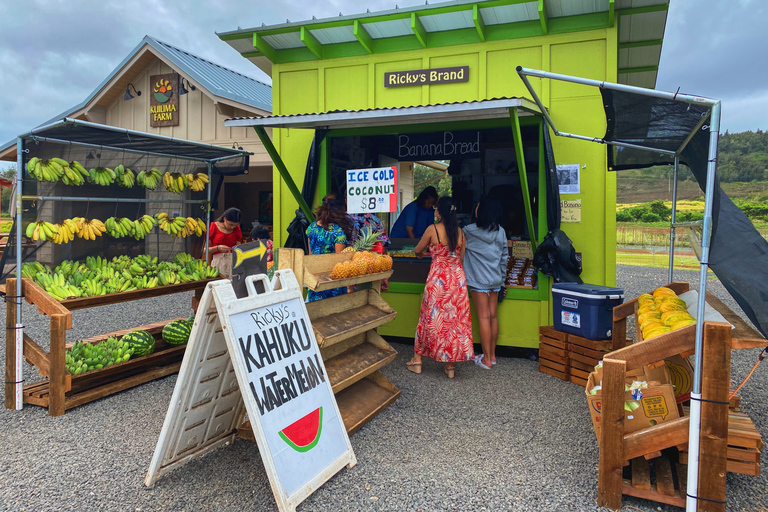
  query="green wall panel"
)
[
  {"x": 299, "y": 92},
  {"x": 586, "y": 59},
  {"x": 503, "y": 80},
  {"x": 346, "y": 87}
]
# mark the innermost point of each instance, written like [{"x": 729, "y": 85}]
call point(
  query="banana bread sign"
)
[{"x": 164, "y": 100}]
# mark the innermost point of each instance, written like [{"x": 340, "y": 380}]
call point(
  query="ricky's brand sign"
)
[
  {"x": 164, "y": 100},
  {"x": 426, "y": 76}
]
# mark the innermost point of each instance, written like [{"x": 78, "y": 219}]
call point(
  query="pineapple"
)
[
  {"x": 368, "y": 237},
  {"x": 349, "y": 249}
]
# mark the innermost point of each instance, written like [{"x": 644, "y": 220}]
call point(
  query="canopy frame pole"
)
[
  {"x": 283, "y": 170},
  {"x": 19, "y": 331},
  {"x": 694, "y": 432},
  {"x": 673, "y": 220},
  {"x": 208, "y": 216},
  {"x": 109, "y": 199},
  {"x": 517, "y": 135}
]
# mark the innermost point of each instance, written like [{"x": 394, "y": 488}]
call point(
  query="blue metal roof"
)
[{"x": 219, "y": 80}]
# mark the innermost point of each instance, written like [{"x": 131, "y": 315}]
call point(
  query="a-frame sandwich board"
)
[{"x": 257, "y": 354}]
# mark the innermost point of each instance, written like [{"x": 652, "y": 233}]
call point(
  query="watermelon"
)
[
  {"x": 303, "y": 434},
  {"x": 190, "y": 321},
  {"x": 177, "y": 332},
  {"x": 141, "y": 342}
]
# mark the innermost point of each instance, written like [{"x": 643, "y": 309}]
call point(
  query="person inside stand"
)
[
  {"x": 260, "y": 233},
  {"x": 223, "y": 235},
  {"x": 485, "y": 265},
  {"x": 444, "y": 332},
  {"x": 417, "y": 216},
  {"x": 362, "y": 220},
  {"x": 329, "y": 234}
]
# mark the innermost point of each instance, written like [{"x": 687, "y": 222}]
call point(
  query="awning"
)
[{"x": 421, "y": 114}]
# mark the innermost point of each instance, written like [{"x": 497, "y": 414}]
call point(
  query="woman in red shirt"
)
[{"x": 224, "y": 234}]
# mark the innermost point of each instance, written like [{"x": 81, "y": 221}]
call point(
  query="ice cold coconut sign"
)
[
  {"x": 288, "y": 384},
  {"x": 372, "y": 190}
]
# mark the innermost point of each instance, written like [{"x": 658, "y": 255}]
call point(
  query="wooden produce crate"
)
[
  {"x": 356, "y": 357},
  {"x": 62, "y": 391},
  {"x": 338, "y": 318},
  {"x": 553, "y": 353},
  {"x": 315, "y": 270}
]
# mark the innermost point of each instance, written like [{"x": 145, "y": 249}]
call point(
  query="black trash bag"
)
[
  {"x": 297, "y": 232},
  {"x": 556, "y": 257}
]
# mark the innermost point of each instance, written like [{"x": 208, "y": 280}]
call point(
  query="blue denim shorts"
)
[{"x": 483, "y": 291}]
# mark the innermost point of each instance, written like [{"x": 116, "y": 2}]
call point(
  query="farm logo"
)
[
  {"x": 163, "y": 91},
  {"x": 164, "y": 102}
]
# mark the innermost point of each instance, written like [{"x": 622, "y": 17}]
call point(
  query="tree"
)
[
  {"x": 424, "y": 176},
  {"x": 5, "y": 194}
]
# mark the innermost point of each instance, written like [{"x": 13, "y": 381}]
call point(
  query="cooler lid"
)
[{"x": 586, "y": 289}]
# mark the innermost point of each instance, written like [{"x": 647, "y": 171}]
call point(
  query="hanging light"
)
[
  {"x": 185, "y": 90},
  {"x": 128, "y": 94}
]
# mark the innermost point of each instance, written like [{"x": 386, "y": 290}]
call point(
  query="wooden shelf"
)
[
  {"x": 323, "y": 281},
  {"x": 363, "y": 400},
  {"x": 114, "y": 298},
  {"x": 338, "y": 318},
  {"x": 314, "y": 270},
  {"x": 356, "y": 358}
]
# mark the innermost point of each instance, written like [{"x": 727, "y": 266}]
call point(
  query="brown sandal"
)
[{"x": 413, "y": 366}]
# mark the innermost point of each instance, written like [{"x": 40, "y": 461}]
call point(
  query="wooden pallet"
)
[
  {"x": 744, "y": 446},
  {"x": 569, "y": 357},
  {"x": 659, "y": 479}
]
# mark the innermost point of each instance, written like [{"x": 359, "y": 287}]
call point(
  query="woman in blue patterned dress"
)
[{"x": 329, "y": 234}]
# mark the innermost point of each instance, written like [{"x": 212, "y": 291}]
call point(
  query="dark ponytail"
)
[{"x": 450, "y": 222}]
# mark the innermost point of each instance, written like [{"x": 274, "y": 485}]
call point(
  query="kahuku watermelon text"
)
[{"x": 271, "y": 345}]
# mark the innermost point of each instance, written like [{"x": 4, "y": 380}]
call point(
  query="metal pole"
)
[
  {"x": 695, "y": 421},
  {"x": 19, "y": 345},
  {"x": 107, "y": 199},
  {"x": 125, "y": 150},
  {"x": 544, "y": 112},
  {"x": 672, "y": 221},
  {"x": 210, "y": 185}
]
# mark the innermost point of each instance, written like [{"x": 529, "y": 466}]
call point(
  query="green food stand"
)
[{"x": 438, "y": 82}]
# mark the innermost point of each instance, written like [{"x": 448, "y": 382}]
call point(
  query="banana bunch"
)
[
  {"x": 74, "y": 173},
  {"x": 197, "y": 182},
  {"x": 96, "y": 264},
  {"x": 175, "y": 182},
  {"x": 124, "y": 176},
  {"x": 46, "y": 170},
  {"x": 93, "y": 288},
  {"x": 89, "y": 229},
  {"x": 149, "y": 179},
  {"x": 118, "y": 283},
  {"x": 60, "y": 289},
  {"x": 167, "y": 277},
  {"x": 31, "y": 269},
  {"x": 119, "y": 227},
  {"x": 84, "y": 357},
  {"x": 144, "y": 226},
  {"x": 144, "y": 282},
  {"x": 101, "y": 176},
  {"x": 41, "y": 230},
  {"x": 67, "y": 229}
]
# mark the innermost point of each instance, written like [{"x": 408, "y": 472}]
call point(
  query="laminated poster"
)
[{"x": 568, "y": 177}]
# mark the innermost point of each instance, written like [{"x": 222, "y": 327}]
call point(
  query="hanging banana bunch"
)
[{"x": 197, "y": 181}]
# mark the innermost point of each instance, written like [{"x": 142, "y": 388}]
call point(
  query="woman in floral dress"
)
[
  {"x": 327, "y": 235},
  {"x": 444, "y": 332}
]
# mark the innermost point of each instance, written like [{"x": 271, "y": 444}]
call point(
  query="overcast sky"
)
[{"x": 54, "y": 53}]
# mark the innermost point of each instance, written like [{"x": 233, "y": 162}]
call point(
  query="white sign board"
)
[
  {"x": 372, "y": 190},
  {"x": 260, "y": 350},
  {"x": 568, "y": 177}
]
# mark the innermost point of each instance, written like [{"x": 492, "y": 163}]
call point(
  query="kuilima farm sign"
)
[{"x": 372, "y": 190}]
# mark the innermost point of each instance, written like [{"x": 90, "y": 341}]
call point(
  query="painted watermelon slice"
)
[{"x": 303, "y": 434}]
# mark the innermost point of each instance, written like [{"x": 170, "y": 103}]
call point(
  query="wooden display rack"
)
[
  {"x": 345, "y": 328},
  {"x": 718, "y": 430},
  {"x": 61, "y": 391}
]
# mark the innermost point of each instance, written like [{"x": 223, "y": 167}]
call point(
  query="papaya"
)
[
  {"x": 642, "y": 318},
  {"x": 656, "y": 331},
  {"x": 666, "y": 306},
  {"x": 645, "y": 296},
  {"x": 675, "y": 300},
  {"x": 671, "y": 317},
  {"x": 649, "y": 323},
  {"x": 663, "y": 290},
  {"x": 646, "y": 308},
  {"x": 682, "y": 323}
]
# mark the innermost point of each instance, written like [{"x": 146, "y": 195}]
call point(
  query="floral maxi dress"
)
[{"x": 444, "y": 332}]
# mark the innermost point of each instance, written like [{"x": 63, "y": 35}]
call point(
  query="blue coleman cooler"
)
[{"x": 585, "y": 310}]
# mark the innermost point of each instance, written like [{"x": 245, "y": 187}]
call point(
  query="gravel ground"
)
[{"x": 508, "y": 439}]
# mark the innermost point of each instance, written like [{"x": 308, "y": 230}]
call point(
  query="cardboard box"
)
[
  {"x": 655, "y": 404},
  {"x": 681, "y": 376}
]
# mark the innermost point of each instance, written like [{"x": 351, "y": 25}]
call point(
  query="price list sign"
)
[{"x": 372, "y": 190}]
